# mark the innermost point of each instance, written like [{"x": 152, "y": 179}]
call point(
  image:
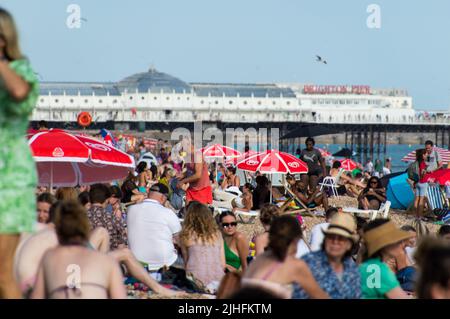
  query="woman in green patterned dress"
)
[{"x": 18, "y": 95}]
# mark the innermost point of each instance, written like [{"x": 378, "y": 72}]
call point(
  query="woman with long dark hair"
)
[
  {"x": 235, "y": 243},
  {"x": 18, "y": 94},
  {"x": 373, "y": 195}
]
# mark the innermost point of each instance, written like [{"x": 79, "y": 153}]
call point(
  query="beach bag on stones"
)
[
  {"x": 413, "y": 172},
  {"x": 178, "y": 278},
  {"x": 421, "y": 228}
]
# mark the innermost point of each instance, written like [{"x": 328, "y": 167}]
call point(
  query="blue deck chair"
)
[{"x": 438, "y": 202}]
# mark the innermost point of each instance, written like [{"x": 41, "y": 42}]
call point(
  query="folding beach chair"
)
[
  {"x": 330, "y": 183},
  {"x": 437, "y": 201},
  {"x": 372, "y": 213},
  {"x": 436, "y": 198},
  {"x": 251, "y": 215},
  {"x": 297, "y": 200}
]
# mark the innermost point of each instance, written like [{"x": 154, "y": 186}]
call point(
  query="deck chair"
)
[
  {"x": 331, "y": 184},
  {"x": 435, "y": 197},
  {"x": 293, "y": 197},
  {"x": 251, "y": 215},
  {"x": 437, "y": 201},
  {"x": 372, "y": 213}
]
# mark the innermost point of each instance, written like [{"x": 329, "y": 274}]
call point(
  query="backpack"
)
[{"x": 413, "y": 172}]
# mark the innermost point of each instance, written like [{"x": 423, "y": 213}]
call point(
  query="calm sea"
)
[{"x": 393, "y": 151}]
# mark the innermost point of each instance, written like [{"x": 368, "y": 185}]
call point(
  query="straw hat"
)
[
  {"x": 342, "y": 224},
  {"x": 384, "y": 235}
]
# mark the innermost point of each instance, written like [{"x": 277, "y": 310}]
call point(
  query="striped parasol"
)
[{"x": 445, "y": 155}]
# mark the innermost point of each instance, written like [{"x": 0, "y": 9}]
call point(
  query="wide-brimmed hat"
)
[
  {"x": 342, "y": 224},
  {"x": 384, "y": 235}
]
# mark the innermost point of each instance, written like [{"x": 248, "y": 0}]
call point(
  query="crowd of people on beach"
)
[
  {"x": 128, "y": 235},
  {"x": 171, "y": 226}
]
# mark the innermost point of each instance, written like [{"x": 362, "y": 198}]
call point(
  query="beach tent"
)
[{"x": 399, "y": 192}]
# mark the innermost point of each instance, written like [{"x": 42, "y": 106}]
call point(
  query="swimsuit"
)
[
  {"x": 283, "y": 291},
  {"x": 76, "y": 291},
  {"x": 231, "y": 258}
]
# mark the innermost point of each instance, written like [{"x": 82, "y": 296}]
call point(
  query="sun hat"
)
[
  {"x": 342, "y": 224},
  {"x": 384, "y": 235}
]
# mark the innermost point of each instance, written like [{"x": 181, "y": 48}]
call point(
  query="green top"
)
[
  {"x": 231, "y": 258},
  {"x": 17, "y": 168},
  {"x": 377, "y": 279}
]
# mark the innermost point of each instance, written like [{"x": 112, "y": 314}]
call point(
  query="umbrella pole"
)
[
  {"x": 51, "y": 178},
  {"x": 271, "y": 188}
]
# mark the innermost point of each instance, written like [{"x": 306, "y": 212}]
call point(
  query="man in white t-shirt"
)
[
  {"x": 153, "y": 229},
  {"x": 369, "y": 166},
  {"x": 317, "y": 235}
]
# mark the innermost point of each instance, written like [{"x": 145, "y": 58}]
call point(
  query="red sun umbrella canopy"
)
[
  {"x": 219, "y": 151},
  {"x": 273, "y": 161},
  {"x": 440, "y": 176},
  {"x": 323, "y": 152},
  {"x": 235, "y": 160},
  {"x": 64, "y": 159},
  {"x": 445, "y": 155},
  {"x": 348, "y": 164}
]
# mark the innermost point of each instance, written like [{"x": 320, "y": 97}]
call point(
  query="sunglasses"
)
[
  {"x": 226, "y": 225},
  {"x": 373, "y": 182},
  {"x": 336, "y": 238}
]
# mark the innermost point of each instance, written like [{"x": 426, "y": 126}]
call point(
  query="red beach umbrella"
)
[
  {"x": 323, "y": 152},
  {"x": 235, "y": 160},
  {"x": 348, "y": 164},
  {"x": 273, "y": 161},
  {"x": 219, "y": 151},
  {"x": 64, "y": 159},
  {"x": 440, "y": 176}
]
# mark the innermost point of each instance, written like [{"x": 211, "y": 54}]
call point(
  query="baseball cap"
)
[{"x": 160, "y": 188}]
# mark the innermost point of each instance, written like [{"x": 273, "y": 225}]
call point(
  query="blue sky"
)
[{"x": 244, "y": 41}]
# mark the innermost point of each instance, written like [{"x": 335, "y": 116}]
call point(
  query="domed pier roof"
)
[{"x": 154, "y": 81}]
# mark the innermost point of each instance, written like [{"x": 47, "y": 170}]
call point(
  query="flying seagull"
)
[{"x": 319, "y": 59}]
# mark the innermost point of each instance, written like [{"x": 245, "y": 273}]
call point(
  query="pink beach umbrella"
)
[{"x": 64, "y": 159}]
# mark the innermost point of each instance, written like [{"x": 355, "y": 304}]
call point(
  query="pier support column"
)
[
  {"x": 448, "y": 138},
  {"x": 371, "y": 143},
  {"x": 358, "y": 147},
  {"x": 385, "y": 146},
  {"x": 365, "y": 146},
  {"x": 379, "y": 143},
  {"x": 352, "y": 141},
  {"x": 436, "y": 137},
  {"x": 443, "y": 138},
  {"x": 345, "y": 139}
]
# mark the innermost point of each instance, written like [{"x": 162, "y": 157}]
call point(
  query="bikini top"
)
[
  {"x": 76, "y": 291},
  {"x": 282, "y": 290}
]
